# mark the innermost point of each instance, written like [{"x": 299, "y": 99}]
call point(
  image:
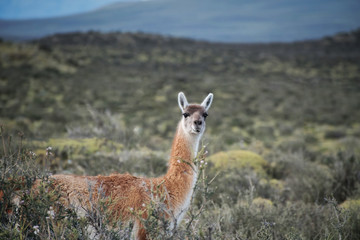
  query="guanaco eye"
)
[
  {"x": 205, "y": 115},
  {"x": 186, "y": 115}
]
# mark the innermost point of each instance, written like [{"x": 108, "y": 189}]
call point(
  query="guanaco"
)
[{"x": 130, "y": 193}]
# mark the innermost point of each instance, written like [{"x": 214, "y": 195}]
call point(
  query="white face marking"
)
[
  {"x": 193, "y": 137},
  {"x": 193, "y": 119}
]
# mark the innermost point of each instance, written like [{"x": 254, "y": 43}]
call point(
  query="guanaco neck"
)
[{"x": 183, "y": 151}]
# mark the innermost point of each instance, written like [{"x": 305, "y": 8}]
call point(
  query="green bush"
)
[
  {"x": 238, "y": 159},
  {"x": 346, "y": 171},
  {"x": 303, "y": 179}
]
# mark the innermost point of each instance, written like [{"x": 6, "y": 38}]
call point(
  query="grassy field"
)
[{"x": 283, "y": 133}]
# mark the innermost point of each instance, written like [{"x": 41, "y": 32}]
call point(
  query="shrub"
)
[
  {"x": 238, "y": 159},
  {"x": 303, "y": 180},
  {"x": 234, "y": 171},
  {"x": 292, "y": 145},
  {"x": 351, "y": 203},
  {"x": 346, "y": 170},
  {"x": 334, "y": 134},
  {"x": 37, "y": 214}
]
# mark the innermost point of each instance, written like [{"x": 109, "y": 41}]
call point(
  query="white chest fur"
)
[{"x": 182, "y": 209}]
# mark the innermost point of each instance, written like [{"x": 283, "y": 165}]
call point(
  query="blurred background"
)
[{"x": 98, "y": 82}]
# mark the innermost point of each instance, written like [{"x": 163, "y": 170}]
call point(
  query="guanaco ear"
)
[
  {"x": 207, "y": 101},
  {"x": 183, "y": 103}
]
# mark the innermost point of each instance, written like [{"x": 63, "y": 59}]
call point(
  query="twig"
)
[{"x": 3, "y": 140}]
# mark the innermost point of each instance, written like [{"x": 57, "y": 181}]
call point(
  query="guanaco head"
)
[{"x": 194, "y": 115}]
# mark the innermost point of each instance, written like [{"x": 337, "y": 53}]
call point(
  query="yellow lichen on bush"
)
[
  {"x": 274, "y": 184},
  {"x": 262, "y": 203},
  {"x": 277, "y": 184},
  {"x": 239, "y": 159},
  {"x": 256, "y": 205},
  {"x": 351, "y": 204}
]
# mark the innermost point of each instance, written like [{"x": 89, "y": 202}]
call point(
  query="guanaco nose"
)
[{"x": 198, "y": 122}]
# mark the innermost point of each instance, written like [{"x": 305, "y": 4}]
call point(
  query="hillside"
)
[
  {"x": 220, "y": 21},
  {"x": 51, "y": 80},
  {"x": 282, "y": 136}
]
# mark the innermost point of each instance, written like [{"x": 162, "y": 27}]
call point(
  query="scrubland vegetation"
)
[{"x": 283, "y": 133}]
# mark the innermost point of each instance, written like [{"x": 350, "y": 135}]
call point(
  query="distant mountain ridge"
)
[
  {"x": 211, "y": 20},
  {"x": 344, "y": 41}
]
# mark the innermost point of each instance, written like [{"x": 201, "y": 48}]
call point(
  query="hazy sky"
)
[
  {"x": 25, "y": 9},
  {"x": 214, "y": 20}
]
